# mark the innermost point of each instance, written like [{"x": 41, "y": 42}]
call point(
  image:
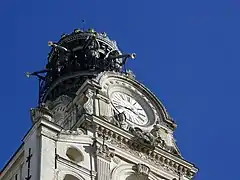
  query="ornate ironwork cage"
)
[{"x": 76, "y": 57}]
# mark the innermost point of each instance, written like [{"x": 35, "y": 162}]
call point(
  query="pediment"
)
[{"x": 108, "y": 80}]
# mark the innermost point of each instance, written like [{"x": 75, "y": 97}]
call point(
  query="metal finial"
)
[
  {"x": 91, "y": 30},
  {"x": 83, "y": 22},
  {"x": 133, "y": 55},
  {"x": 27, "y": 74},
  {"x": 50, "y": 43},
  {"x": 77, "y": 30}
]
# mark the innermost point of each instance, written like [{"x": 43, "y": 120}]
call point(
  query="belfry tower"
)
[{"x": 95, "y": 121}]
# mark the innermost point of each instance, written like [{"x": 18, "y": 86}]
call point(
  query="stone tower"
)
[{"x": 95, "y": 121}]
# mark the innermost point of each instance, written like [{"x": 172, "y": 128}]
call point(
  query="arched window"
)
[
  {"x": 70, "y": 177},
  {"x": 74, "y": 154}
]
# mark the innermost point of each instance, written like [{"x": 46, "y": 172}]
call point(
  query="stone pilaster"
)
[{"x": 103, "y": 158}]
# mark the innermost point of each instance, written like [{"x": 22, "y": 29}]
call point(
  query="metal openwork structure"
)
[{"x": 76, "y": 57}]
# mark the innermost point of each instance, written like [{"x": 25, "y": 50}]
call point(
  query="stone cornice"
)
[
  {"x": 48, "y": 128},
  {"x": 39, "y": 126},
  {"x": 157, "y": 170},
  {"x": 84, "y": 139},
  {"x": 40, "y": 112},
  {"x": 124, "y": 140},
  {"x": 55, "y": 132}
]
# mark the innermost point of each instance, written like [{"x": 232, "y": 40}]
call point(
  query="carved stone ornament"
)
[
  {"x": 41, "y": 112},
  {"x": 142, "y": 169},
  {"x": 78, "y": 131},
  {"x": 63, "y": 100},
  {"x": 120, "y": 121},
  {"x": 104, "y": 151},
  {"x": 88, "y": 106},
  {"x": 152, "y": 138},
  {"x": 147, "y": 137},
  {"x": 145, "y": 152},
  {"x": 116, "y": 160},
  {"x": 156, "y": 130},
  {"x": 161, "y": 162},
  {"x": 158, "y": 133},
  {"x": 130, "y": 74}
]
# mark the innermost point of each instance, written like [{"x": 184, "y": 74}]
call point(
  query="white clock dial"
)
[{"x": 132, "y": 109}]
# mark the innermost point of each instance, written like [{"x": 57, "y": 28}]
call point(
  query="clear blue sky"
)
[{"x": 188, "y": 54}]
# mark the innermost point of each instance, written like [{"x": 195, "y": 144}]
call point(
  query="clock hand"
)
[
  {"x": 124, "y": 107},
  {"x": 128, "y": 109},
  {"x": 138, "y": 114}
]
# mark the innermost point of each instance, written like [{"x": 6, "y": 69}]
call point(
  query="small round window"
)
[{"x": 74, "y": 154}]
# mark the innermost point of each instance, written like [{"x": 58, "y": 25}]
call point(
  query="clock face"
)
[{"x": 130, "y": 107}]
